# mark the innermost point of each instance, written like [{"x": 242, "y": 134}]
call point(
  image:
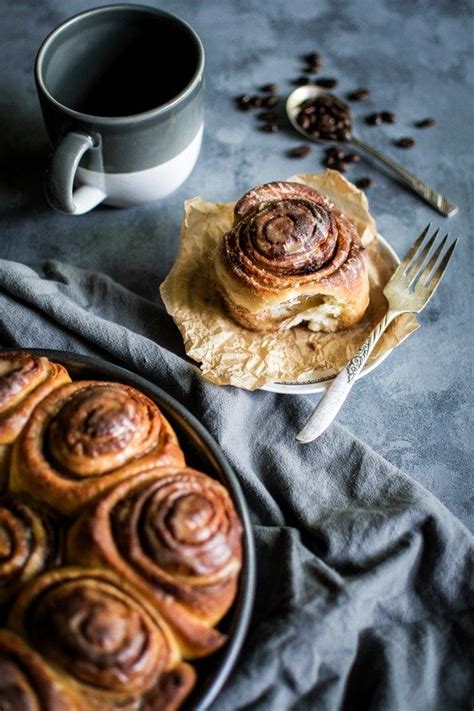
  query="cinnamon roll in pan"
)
[
  {"x": 29, "y": 544},
  {"x": 174, "y": 534},
  {"x": 100, "y": 637},
  {"x": 291, "y": 258},
  {"x": 28, "y": 682},
  {"x": 25, "y": 379},
  {"x": 85, "y": 437},
  {"x": 170, "y": 554}
]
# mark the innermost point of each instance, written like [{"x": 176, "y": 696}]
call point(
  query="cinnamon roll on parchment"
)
[
  {"x": 103, "y": 640},
  {"x": 27, "y": 682},
  {"x": 25, "y": 379},
  {"x": 174, "y": 534},
  {"x": 29, "y": 544},
  {"x": 291, "y": 258},
  {"x": 84, "y": 438}
]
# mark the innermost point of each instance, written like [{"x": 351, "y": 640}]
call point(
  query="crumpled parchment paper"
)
[{"x": 229, "y": 354}]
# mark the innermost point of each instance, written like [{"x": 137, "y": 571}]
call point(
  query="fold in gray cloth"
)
[{"x": 364, "y": 579}]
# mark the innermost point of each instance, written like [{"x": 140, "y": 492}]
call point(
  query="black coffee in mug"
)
[
  {"x": 123, "y": 69},
  {"x": 121, "y": 92}
]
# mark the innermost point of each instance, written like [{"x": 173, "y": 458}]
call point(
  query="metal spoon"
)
[{"x": 435, "y": 199}]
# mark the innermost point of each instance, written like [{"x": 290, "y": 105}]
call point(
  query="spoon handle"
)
[{"x": 435, "y": 199}]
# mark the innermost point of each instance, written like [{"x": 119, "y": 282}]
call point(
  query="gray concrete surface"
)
[{"x": 416, "y": 58}]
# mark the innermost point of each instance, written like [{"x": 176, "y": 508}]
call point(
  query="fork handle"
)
[
  {"x": 430, "y": 195},
  {"x": 334, "y": 397}
]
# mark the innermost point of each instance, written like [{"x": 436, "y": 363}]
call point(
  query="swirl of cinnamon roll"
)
[
  {"x": 97, "y": 633},
  {"x": 28, "y": 545},
  {"x": 84, "y": 438},
  {"x": 25, "y": 379},
  {"x": 174, "y": 534},
  {"x": 291, "y": 257},
  {"x": 28, "y": 683}
]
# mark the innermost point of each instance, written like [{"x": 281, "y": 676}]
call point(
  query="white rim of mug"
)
[{"x": 133, "y": 118}]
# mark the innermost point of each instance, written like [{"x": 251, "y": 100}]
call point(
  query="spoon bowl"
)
[
  {"x": 293, "y": 105},
  {"x": 430, "y": 195}
]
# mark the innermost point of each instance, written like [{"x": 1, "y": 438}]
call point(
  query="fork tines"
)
[{"x": 426, "y": 260}]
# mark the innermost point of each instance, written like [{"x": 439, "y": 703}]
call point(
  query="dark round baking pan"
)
[{"x": 202, "y": 452}]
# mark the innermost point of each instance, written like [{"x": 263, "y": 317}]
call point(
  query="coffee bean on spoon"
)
[
  {"x": 304, "y": 121},
  {"x": 269, "y": 88},
  {"x": 329, "y": 117},
  {"x": 363, "y": 183},
  {"x": 326, "y": 82},
  {"x": 300, "y": 151},
  {"x": 425, "y": 123},
  {"x": 359, "y": 95},
  {"x": 388, "y": 116},
  {"x": 404, "y": 142},
  {"x": 373, "y": 119}
]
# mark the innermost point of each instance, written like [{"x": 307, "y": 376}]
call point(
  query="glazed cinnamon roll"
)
[
  {"x": 27, "y": 682},
  {"x": 175, "y": 535},
  {"x": 101, "y": 637},
  {"x": 25, "y": 379},
  {"x": 291, "y": 257},
  {"x": 84, "y": 438},
  {"x": 28, "y": 545}
]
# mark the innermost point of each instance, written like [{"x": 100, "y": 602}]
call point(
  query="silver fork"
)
[{"x": 408, "y": 291}]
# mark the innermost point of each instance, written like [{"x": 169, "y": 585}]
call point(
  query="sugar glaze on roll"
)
[{"x": 292, "y": 257}]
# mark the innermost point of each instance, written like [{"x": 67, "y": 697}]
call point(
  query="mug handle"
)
[{"x": 59, "y": 180}]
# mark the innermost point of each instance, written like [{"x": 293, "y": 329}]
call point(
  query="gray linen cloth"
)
[{"x": 364, "y": 578}]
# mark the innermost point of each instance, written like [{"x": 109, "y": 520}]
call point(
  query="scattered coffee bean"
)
[
  {"x": 301, "y": 81},
  {"x": 313, "y": 58},
  {"x": 359, "y": 95},
  {"x": 351, "y": 158},
  {"x": 269, "y": 88},
  {"x": 340, "y": 166},
  {"x": 425, "y": 123},
  {"x": 364, "y": 183},
  {"x": 388, "y": 116},
  {"x": 256, "y": 101},
  {"x": 270, "y": 101},
  {"x": 267, "y": 116},
  {"x": 404, "y": 142},
  {"x": 270, "y": 128},
  {"x": 333, "y": 156},
  {"x": 326, "y": 82},
  {"x": 300, "y": 151},
  {"x": 244, "y": 102},
  {"x": 335, "y": 152},
  {"x": 312, "y": 69},
  {"x": 373, "y": 119}
]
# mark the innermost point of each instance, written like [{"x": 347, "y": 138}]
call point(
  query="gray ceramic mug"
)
[{"x": 120, "y": 89}]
